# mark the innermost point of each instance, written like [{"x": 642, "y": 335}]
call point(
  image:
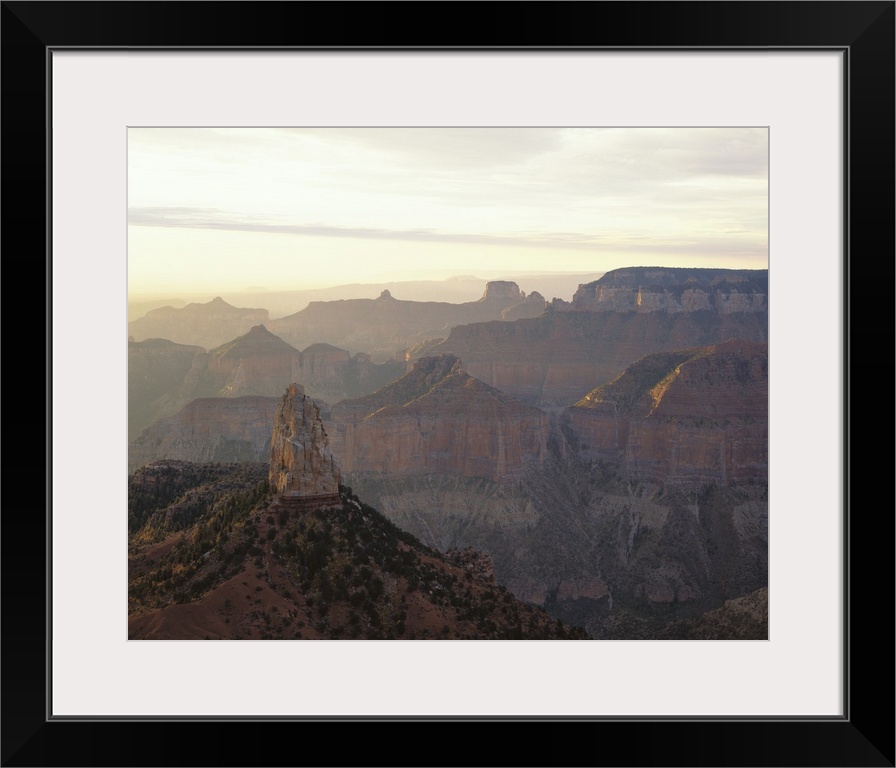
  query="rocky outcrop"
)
[
  {"x": 206, "y": 325},
  {"x": 670, "y": 289},
  {"x": 557, "y": 358},
  {"x": 531, "y": 306},
  {"x": 385, "y": 327},
  {"x": 302, "y": 467},
  {"x": 438, "y": 418},
  {"x": 209, "y": 429},
  {"x": 697, "y": 415},
  {"x": 472, "y": 560}
]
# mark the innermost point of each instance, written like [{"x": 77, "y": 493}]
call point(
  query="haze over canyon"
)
[{"x": 512, "y": 466}]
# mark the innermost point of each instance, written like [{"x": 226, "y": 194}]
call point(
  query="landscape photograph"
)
[{"x": 448, "y": 383}]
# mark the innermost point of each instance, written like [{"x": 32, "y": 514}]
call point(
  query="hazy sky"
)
[{"x": 231, "y": 208}]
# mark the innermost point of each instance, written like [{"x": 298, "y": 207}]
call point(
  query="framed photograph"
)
[{"x": 814, "y": 79}]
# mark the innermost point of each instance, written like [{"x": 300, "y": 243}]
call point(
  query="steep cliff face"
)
[
  {"x": 591, "y": 546},
  {"x": 557, "y": 358},
  {"x": 206, "y": 325},
  {"x": 437, "y": 418},
  {"x": 302, "y": 467},
  {"x": 209, "y": 429},
  {"x": 697, "y": 415},
  {"x": 384, "y": 327},
  {"x": 663, "y": 289}
]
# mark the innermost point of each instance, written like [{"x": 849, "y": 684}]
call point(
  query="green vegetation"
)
[{"x": 347, "y": 572}]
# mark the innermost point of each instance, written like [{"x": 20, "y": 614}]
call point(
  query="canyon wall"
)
[
  {"x": 209, "y": 429},
  {"x": 673, "y": 290},
  {"x": 437, "y": 418},
  {"x": 556, "y": 359},
  {"x": 698, "y": 415}
]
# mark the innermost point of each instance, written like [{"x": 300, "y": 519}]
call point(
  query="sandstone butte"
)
[
  {"x": 554, "y": 359},
  {"x": 386, "y": 326},
  {"x": 206, "y": 325},
  {"x": 438, "y": 419},
  {"x": 697, "y": 415},
  {"x": 303, "y": 471}
]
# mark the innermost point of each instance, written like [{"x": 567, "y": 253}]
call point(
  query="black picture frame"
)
[{"x": 864, "y": 31}]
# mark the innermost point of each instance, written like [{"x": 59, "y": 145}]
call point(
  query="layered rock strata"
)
[
  {"x": 556, "y": 359},
  {"x": 672, "y": 289},
  {"x": 438, "y": 418},
  {"x": 303, "y": 470},
  {"x": 209, "y": 429},
  {"x": 697, "y": 415}
]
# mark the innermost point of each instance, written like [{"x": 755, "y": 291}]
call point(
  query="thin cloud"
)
[{"x": 217, "y": 219}]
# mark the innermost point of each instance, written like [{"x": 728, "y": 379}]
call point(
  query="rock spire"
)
[{"x": 303, "y": 470}]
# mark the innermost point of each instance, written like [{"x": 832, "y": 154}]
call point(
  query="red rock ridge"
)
[
  {"x": 698, "y": 415},
  {"x": 438, "y": 419},
  {"x": 556, "y": 358}
]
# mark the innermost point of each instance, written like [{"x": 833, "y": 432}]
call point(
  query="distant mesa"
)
[
  {"x": 303, "y": 470},
  {"x": 500, "y": 290},
  {"x": 672, "y": 289},
  {"x": 386, "y": 326}
]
